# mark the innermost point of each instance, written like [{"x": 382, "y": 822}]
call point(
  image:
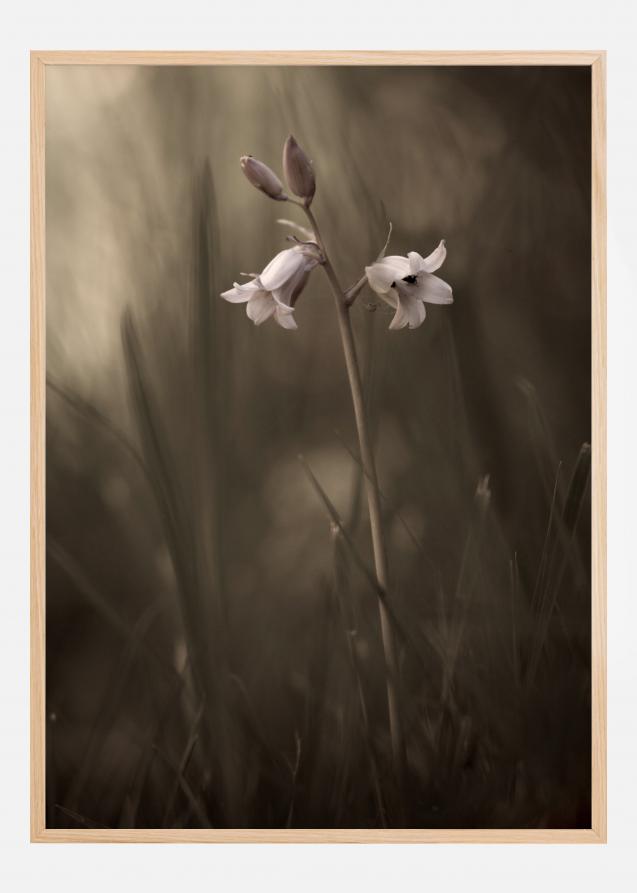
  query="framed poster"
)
[{"x": 318, "y": 447}]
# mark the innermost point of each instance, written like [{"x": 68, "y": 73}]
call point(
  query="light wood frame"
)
[{"x": 597, "y": 832}]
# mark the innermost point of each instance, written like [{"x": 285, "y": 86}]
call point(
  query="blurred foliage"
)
[{"x": 213, "y": 653}]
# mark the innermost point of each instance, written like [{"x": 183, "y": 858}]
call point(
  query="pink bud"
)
[
  {"x": 298, "y": 170},
  {"x": 260, "y": 175}
]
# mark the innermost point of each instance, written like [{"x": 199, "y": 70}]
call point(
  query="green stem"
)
[{"x": 373, "y": 501}]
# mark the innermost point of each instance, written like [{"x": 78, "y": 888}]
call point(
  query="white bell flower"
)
[
  {"x": 407, "y": 284},
  {"x": 274, "y": 291}
]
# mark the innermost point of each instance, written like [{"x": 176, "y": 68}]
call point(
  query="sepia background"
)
[{"x": 213, "y": 656}]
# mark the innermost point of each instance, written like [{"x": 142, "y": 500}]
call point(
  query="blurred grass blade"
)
[
  {"x": 193, "y": 737},
  {"x": 346, "y": 613},
  {"x": 76, "y": 817},
  {"x": 195, "y": 802},
  {"x": 126, "y": 630},
  {"x": 93, "y": 415},
  {"x": 549, "y": 603},
  {"x": 194, "y": 607}
]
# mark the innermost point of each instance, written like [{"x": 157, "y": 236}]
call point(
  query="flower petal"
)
[
  {"x": 289, "y": 292},
  {"x": 281, "y": 268},
  {"x": 411, "y": 312},
  {"x": 285, "y": 318},
  {"x": 379, "y": 278},
  {"x": 260, "y": 308},
  {"x": 240, "y": 293},
  {"x": 382, "y": 274},
  {"x": 390, "y": 297},
  {"x": 433, "y": 289},
  {"x": 435, "y": 259},
  {"x": 415, "y": 262}
]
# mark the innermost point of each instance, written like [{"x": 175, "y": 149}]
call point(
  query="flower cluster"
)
[
  {"x": 274, "y": 291},
  {"x": 405, "y": 283}
]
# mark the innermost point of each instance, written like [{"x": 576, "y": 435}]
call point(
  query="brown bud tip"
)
[
  {"x": 260, "y": 175},
  {"x": 298, "y": 170}
]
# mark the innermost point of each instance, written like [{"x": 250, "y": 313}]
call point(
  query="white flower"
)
[
  {"x": 275, "y": 290},
  {"x": 407, "y": 283}
]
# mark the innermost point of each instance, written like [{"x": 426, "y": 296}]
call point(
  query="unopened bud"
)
[
  {"x": 260, "y": 175},
  {"x": 298, "y": 170}
]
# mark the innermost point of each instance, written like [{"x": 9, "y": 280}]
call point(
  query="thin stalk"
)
[
  {"x": 354, "y": 290},
  {"x": 373, "y": 501}
]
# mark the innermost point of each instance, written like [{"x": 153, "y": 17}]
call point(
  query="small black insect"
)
[{"x": 411, "y": 279}]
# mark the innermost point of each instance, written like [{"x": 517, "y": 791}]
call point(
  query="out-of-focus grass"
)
[{"x": 213, "y": 655}]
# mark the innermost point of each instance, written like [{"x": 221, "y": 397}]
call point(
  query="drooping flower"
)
[
  {"x": 298, "y": 170},
  {"x": 274, "y": 292},
  {"x": 408, "y": 283}
]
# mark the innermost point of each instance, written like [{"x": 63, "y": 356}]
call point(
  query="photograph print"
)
[{"x": 318, "y": 446}]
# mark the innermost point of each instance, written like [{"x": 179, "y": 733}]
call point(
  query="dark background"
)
[{"x": 209, "y": 641}]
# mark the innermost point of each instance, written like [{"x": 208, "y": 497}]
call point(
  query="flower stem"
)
[
  {"x": 353, "y": 292},
  {"x": 373, "y": 501}
]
